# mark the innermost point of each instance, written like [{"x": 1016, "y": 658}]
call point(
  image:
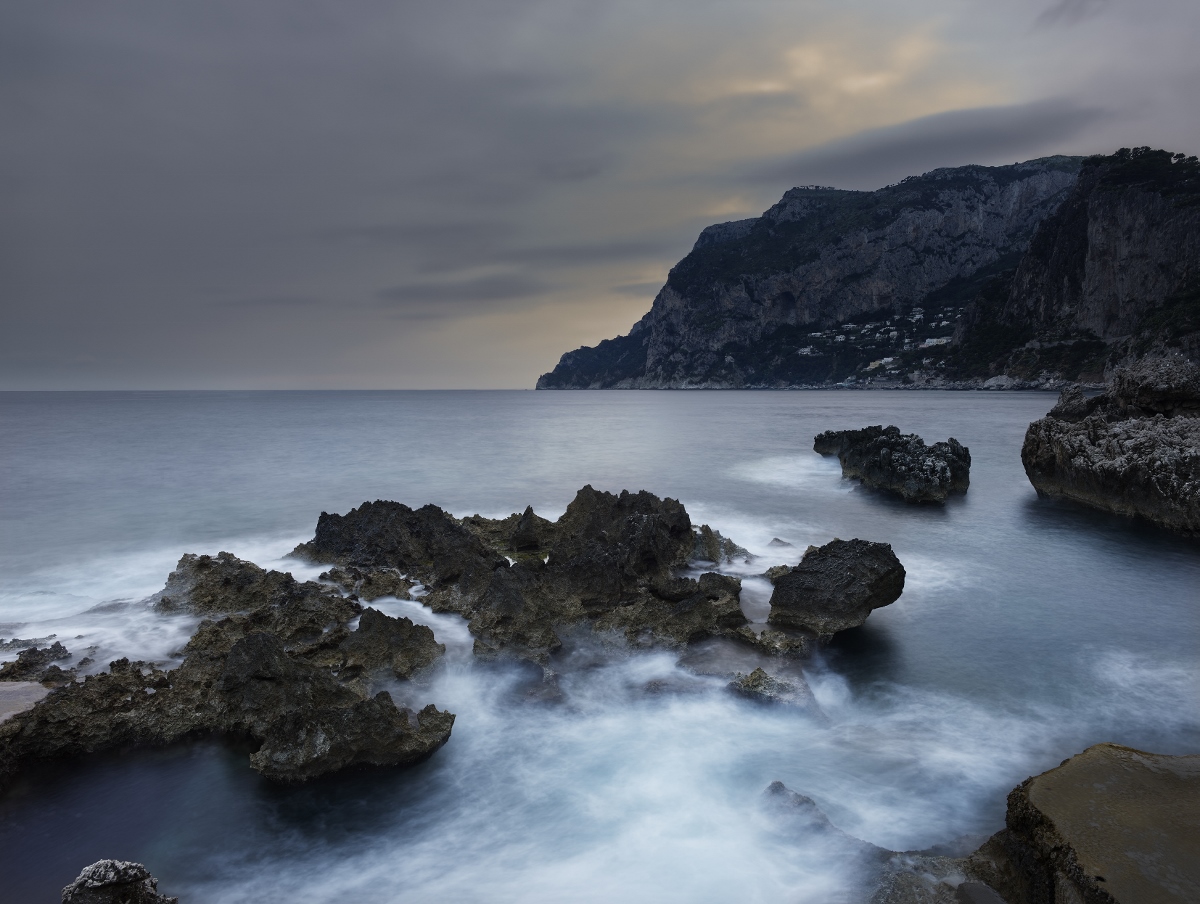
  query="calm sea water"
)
[{"x": 1027, "y": 631}]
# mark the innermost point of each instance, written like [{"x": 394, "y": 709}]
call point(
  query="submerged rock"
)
[
  {"x": 763, "y": 687},
  {"x": 115, "y": 882},
  {"x": 836, "y": 586},
  {"x": 1134, "y": 450},
  {"x": 35, "y": 664},
  {"x": 884, "y": 458}
]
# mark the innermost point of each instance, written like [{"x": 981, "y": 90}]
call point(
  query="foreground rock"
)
[
  {"x": 884, "y": 458},
  {"x": 610, "y": 562},
  {"x": 115, "y": 882},
  {"x": 282, "y": 669},
  {"x": 1134, "y": 450},
  {"x": 836, "y": 586},
  {"x": 37, "y": 664},
  {"x": 1111, "y": 824}
]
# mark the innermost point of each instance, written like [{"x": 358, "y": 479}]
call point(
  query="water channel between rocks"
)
[{"x": 1027, "y": 631}]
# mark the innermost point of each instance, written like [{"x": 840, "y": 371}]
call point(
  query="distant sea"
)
[{"x": 1027, "y": 631}]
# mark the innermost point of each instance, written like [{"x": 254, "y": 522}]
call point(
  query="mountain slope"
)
[{"x": 1051, "y": 269}]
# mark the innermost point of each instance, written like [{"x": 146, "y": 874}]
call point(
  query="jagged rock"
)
[
  {"x": 22, "y": 643},
  {"x": 783, "y": 544},
  {"x": 382, "y": 641},
  {"x": 836, "y": 586},
  {"x": 271, "y": 601},
  {"x": 115, "y": 882},
  {"x": 1112, "y": 825},
  {"x": 426, "y": 543},
  {"x": 285, "y": 671},
  {"x": 775, "y": 572},
  {"x": 884, "y": 458},
  {"x": 370, "y": 583},
  {"x": 802, "y": 815},
  {"x": 712, "y": 547},
  {"x": 34, "y": 664},
  {"x": 607, "y": 561},
  {"x": 1135, "y": 450},
  {"x": 763, "y": 687}
]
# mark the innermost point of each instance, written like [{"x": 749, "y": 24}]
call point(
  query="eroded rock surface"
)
[
  {"x": 115, "y": 882},
  {"x": 284, "y": 669},
  {"x": 836, "y": 586},
  {"x": 35, "y": 664},
  {"x": 884, "y": 458},
  {"x": 609, "y": 561},
  {"x": 763, "y": 687},
  {"x": 1135, "y": 450}
]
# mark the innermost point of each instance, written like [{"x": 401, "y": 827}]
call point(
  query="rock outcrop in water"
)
[
  {"x": 115, "y": 882},
  {"x": 37, "y": 664},
  {"x": 1134, "y": 450},
  {"x": 609, "y": 562},
  {"x": 884, "y": 458},
  {"x": 1010, "y": 277},
  {"x": 282, "y": 668},
  {"x": 836, "y": 586}
]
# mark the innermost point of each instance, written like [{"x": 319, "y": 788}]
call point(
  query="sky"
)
[{"x": 450, "y": 194}]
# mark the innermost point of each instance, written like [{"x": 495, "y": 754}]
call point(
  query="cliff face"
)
[
  {"x": 1056, "y": 268},
  {"x": 740, "y": 306}
]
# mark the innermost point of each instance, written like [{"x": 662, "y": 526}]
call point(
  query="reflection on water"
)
[{"x": 1027, "y": 631}]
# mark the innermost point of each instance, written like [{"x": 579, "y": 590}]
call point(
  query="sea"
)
[{"x": 1028, "y": 630}]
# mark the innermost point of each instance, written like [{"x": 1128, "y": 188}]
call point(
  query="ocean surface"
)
[{"x": 1027, "y": 631}]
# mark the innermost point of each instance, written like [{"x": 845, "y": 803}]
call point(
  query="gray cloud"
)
[
  {"x": 984, "y": 135},
  {"x": 1069, "y": 12},
  {"x": 433, "y": 300}
]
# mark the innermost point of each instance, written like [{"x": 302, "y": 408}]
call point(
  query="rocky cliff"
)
[{"x": 1051, "y": 269}]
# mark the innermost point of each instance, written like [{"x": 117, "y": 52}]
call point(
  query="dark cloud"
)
[
  {"x": 985, "y": 135},
  {"x": 434, "y": 300}
]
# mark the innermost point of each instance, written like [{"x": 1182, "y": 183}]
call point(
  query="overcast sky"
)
[{"x": 368, "y": 194}]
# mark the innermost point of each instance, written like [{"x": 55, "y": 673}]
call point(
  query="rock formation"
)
[
  {"x": 763, "y": 687},
  {"x": 609, "y": 561},
  {"x": 282, "y": 669},
  {"x": 884, "y": 458},
  {"x": 36, "y": 664},
  {"x": 115, "y": 882},
  {"x": 1001, "y": 277},
  {"x": 1134, "y": 450},
  {"x": 836, "y": 586},
  {"x": 1112, "y": 825}
]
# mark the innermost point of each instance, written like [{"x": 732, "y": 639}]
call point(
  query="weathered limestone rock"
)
[
  {"x": 115, "y": 882},
  {"x": 884, "y": 458},
  {"x": 712, "y": 547},
  {"x": 762, "y": 687},
  {"x": 1133, "y": 451},
  {"x": 836, "y": 586},
  {"x": 1111, "y": 825}
]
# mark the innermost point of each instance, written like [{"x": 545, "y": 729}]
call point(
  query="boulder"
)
[
  {"x": 762, "y": 687},
  {"x": 1112, "y": 825},
  {"x": 115, "y": 882},
  {"x": 836, "y": 586},
  {"x": 34, "y": 664},
  {"x": 385, "y": 642},
  {"x": 710, "y": 546},
  {"x": 884, "y": 458}
]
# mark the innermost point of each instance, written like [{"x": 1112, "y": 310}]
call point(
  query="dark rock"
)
[
  {"x": 270, "y": 601},
  {"x": 1133, "y": 451},
  {"x": 1111, "y": 824},
  {"x": 370, "y": 583},
  {"x": 32, "y": 664},
  {"x": 884, "y": 458},
  {"x": 710, "y": 546},
  {"x": 836, "y": 586},
  {"x": 775, "y": 541},
  {"x": 21, "y": 643},
  {"x": 427, "y": 543},
  {"x": 526, "y": 535},
  {"x": 382, "y": 641},
  {"x": 284, "y": 671},
  {"x": 115, "y": 882},
  {"x": 766, "y": 688},
  {"x": 775, "y": 572}
]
